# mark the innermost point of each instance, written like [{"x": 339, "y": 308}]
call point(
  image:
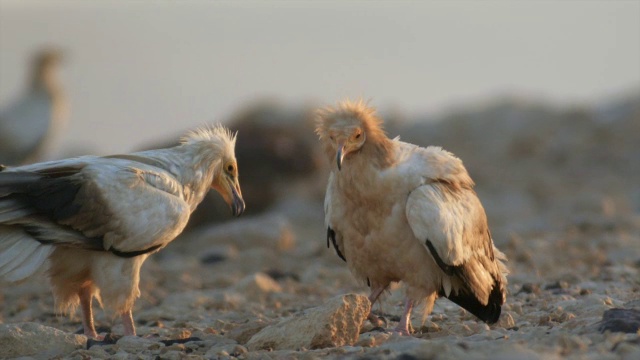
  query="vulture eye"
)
[
  {"x": 230, "y": 168},
  {"x": 358, "y": 136}
]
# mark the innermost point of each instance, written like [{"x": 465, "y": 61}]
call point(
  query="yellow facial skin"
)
[
  {"x": 346, "y": 141},
  {"x": 228, "y": 186}
]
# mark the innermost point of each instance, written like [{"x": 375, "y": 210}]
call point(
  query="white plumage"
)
[
  {"x": 399, "y": 212},
  {"x": 96, "y": 219}
]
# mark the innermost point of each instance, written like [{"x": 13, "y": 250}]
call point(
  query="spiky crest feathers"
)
[
  {"x": 220, "y": 136},
  {"x": 377, "y": 143}
]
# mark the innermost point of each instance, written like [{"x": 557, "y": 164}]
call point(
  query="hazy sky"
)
[{"x": 139, "y": 72}]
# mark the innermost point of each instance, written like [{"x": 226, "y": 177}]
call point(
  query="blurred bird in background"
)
[
  {"x": 398, "y": 212},
  {"x": 96, "y": 219},
  {"x": 31, "y": 127}
]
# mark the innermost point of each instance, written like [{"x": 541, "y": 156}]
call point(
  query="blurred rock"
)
[
  {"x": 225, "y": 350},
  {"x": 41, "y": 342},
  {"x": 506, "y": 321},
  {"x": 267, "y": 231},
  {"x": 218, "y": 253},
  {"x": 335, "y": 323},
  {"x": 620, "y": 320},
  {"x": 278, "y": 155},
  {"x": 257, "y": 286},
  {"x": 276, "y": 146}
]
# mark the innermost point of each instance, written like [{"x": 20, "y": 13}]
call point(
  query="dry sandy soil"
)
[{"x": 561, "y": 187}]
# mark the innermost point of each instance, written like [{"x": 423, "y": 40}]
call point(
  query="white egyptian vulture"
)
[
  {"x": 96, "y": 219},
  {"x": 30, "y": 128},
  {"x": 399, "y": 212}
]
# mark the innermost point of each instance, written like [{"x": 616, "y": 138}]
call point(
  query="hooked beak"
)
[
  {"x": 237, "y": 206},
  {"x": 230, "y": 191},
  {"x": 340, "y": 155}
]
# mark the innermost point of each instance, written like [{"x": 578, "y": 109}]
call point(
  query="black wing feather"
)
[
  {"x": 489, "y": 313},
  {"x": 448, "y": 269},
  {"x": 331, "y": 235},
  {"x": 465, "y": 298}
]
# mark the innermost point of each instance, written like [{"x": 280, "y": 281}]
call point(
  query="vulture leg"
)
[
  {"x": 86, "y": 297},
  {"x": 127, "y": 322},
  {"x": 405, "y": 320},
  {"x": 375, "y": 294}
]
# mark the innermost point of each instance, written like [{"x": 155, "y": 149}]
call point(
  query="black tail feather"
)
[{"x": 489, "y": 313}]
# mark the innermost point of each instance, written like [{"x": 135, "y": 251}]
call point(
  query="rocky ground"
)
[{"x": 560, "y": 186}]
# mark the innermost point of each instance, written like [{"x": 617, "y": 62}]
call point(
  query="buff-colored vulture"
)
[
  {"x": 95, "y": 220},
  {"x": 399, "y": 212}
]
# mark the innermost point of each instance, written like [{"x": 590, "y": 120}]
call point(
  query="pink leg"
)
[
  {"x": 375, "y": 294},
  {"x": 87, "y": 314},
  {"x": 403, "y": 325},
  {"x": 127, "y": 321}
]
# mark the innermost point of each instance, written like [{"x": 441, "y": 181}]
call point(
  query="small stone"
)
[
  {"x": 227, "y": 349},
  {"x": 506, "y": 321},
  {"x": 372, "y": 339},
  {"x": 560, "y": 284},
  {"x": 529, "y": 288},
  {"x": 430, "y": 327},
  {"x": 585, "y": 292},
  {"x": 278, "y": 275},
  {"x": 217, "y": 254},
  {"x": 336, "y": 323},
  {"x": 257, "y": 285}
]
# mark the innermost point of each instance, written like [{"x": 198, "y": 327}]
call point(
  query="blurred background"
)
[
  {"x": 540, "y": 99},
  {"x": 136, "y": 72},
  {"x": 473, "y": 77}
]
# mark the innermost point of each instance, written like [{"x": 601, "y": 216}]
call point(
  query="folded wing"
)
[
  {"x": 451, "y": 224},
  {"x": 95, "y": 204}
]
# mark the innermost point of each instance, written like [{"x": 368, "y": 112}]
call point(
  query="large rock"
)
[
  {"x": 41, "y": 342},
  {"x": 336, "y": 323}
]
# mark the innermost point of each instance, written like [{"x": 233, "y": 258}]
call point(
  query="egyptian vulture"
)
[
  {"x": 31, "y": 126},
  {"x": 399, "y": 212},
  {"x": 95, "y": 220}
]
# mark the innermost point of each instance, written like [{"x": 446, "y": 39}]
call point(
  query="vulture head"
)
[
  {"x": 225, "y": 167},
  {"x": 348, "y": 128}
]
